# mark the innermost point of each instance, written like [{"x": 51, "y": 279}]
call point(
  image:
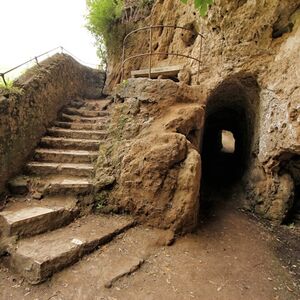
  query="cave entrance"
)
[
  {"x": 228, "y": 138},
  {"x": 293, "y": 216},
  {"x": 292, "y": 166}
]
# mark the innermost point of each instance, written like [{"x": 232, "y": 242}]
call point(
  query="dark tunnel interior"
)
[
  {"x": 230, "y": 118},
  {"x": 220, "y": 167}
]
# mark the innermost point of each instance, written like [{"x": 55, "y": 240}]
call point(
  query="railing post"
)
[
  {"x": 36, "y": 60},
  {"x": 123, "y": 58},
  {"x": 200, "y": 58},
  {"x": 3, "y": 78},
  {"x": 150, "y": 51}
]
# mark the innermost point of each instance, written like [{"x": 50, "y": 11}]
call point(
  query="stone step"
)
[
  {"x": 74, "y": 144},
  {"x": 83, "y": 112},
  {"x": 66, "y": 156},
  {"x": 27, "y": 218},
  {"x": 77, "y": 134},
  {"x": 37, "y": 258},
  {"x": 80, "y": 126},
  {"x": 97, "y": 104},
  {"x": 18, "y": 185},
  {"x": 79, "y": 119},
  {"x": 74, "y": 186},
  {"x": 50, "y": 185},
  {"x": 77, "y": 103},
  {"x": 45, "y": 168}
]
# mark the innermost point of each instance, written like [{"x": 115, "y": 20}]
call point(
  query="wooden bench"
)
[{"x": 163, "y": 72}]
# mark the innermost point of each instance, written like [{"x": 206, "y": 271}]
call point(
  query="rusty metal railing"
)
[
  {"x": 2, "y": 75},
  {"x": 151, "y": 53},
  {"x": 59, "y": 49}
]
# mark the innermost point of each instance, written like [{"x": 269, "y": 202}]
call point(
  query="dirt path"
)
[{"x": 231, "y": 256}]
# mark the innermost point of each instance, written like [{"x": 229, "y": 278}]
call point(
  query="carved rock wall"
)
[{"x": 254, "y": 38}]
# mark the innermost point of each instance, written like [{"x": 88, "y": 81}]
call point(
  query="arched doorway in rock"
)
[{"x": 229, "y": 134}]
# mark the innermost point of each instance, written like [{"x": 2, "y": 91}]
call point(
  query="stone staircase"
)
[
  {"x": 46, "y": 224},
  {"x": 64, "y": 158}
]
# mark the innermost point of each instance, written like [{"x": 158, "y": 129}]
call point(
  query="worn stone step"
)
[
  {"x": 18, "y": 185},
  {"x": 41, "y": 168},
  {"x": 50, "y": 185},
  {"x": 27, "y": 218},
  {"x": 74, "y": 144},
  {"x": 66, "y": 156},
  {"x": 74, "y": 186},
  {"x": 77, "y": 103},
  {"x": 84, "y": 112},
  {"x": 137, "y": 244},
  {"x": 80, "y": 126},
  {"x": 77, "y": 134},
  {"x": 97, "y": 104},
  {"x": 79, "y": 119},
  {"x": 39, "y": 257}
]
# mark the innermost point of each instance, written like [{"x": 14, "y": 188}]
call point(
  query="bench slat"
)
[{"x": 168, "y": 71}]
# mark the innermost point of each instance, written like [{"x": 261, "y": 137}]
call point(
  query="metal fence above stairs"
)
[{"x": 36, "y": 59}]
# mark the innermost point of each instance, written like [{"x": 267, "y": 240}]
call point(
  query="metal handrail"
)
[
  {"x": 151, "y": 53},
  {"x": 62, "y": 50}
]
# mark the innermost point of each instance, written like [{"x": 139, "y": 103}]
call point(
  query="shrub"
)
[
  {"x": 102, "y": 17},
  {"x": 101, "y": 200},
  {"x": 9, "y": 88}
]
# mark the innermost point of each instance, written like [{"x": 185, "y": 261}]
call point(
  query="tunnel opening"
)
[
  {"x": 292, "y": 166},
  {"x": 228, "y": 138},
  {"x": 293, "y": 216},
  {"x": 224, "y": 159},
  {"x": 228, "y": 142}
]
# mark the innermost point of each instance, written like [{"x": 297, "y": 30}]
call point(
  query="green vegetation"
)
[
  {"x": 201, "y": 5},
  {"x": 9, "y": 88},
  {"x": 101, "y": 200},
  {"x": 102, "y": 19},
  {"x": 101, "y": 53},
  {"x": 104, "y": 22}
]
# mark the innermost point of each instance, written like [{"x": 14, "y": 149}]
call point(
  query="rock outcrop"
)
[
  {"x": 153, "y": 161},
  {"x": 242, "y": 39}
]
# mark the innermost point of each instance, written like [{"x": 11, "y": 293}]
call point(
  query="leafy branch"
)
[{"x": 201, "y": 5}]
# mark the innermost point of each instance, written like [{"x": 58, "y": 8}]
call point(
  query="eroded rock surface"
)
[
  {"x": 242, "y": 39},
  {"x": 152, "y": 162}
]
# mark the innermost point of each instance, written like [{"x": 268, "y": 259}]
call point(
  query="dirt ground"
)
[{"x": 232, "y": 256}]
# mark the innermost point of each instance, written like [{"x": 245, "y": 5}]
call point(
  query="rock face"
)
[
  {"x": 156, "y": 167},
  {"x": 242, "y": 39},
  {"x": 45, "y": 90},
  {"x": 157, "y": 181}
]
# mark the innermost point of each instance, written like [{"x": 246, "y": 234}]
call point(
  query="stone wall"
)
[
  {"x": 45, "y": 90},
  {"x": 242, "y": 38}
]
